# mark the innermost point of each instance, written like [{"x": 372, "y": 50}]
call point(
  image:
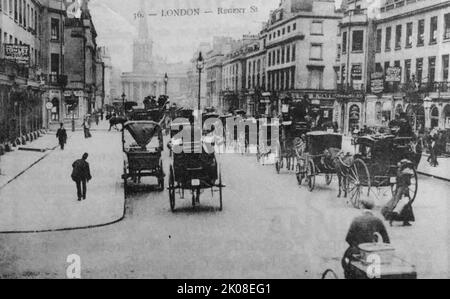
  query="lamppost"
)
[
  {"x": 200, "y": 66},
  {"x": 123, "y": 102},
  {"x": 166, "y": 80}
]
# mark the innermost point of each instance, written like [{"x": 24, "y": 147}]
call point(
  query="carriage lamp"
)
[{"x": 200, "y": 66}]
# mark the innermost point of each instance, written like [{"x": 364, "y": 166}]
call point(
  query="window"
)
[
  {"x": 270, "y": 58},
  {"x": 409, "y": 33},
  {"x": 447, "y": 26},
  {"x": 398, "y": 37},
  {"x": 284, "y": 31},
  {"x": 317, "y": 28},
  {"x": 283, "y": 55},
  {"x": 315, "y": 52},
  {"x": 387, "y": 64},
  {"x": 433, "y": 30},
  {"x": 357, "y": 40},
  {"x": 388, "y": 39},
  {"x": 293, "y": 52},
  {"x": 16, "y": 16},
  {"x": 378, "y": 67},
  {"x": 315, "y": 77},
  {"x": 294, "y": 26},
  {"x": 431, "y": 69},
  {"x": 379, "y": 38},
  {"x": 421, "y": 33},
  {"x": 54, "y": 29},
  {"x": 288, "y": 53},
  {"x": 344, "y": 42},
  {"x": 445, "y": 67},
  {"x": 357, "y": 72},
  {"x": 419, "y": 69},
  {"x": 407, "y": 70},
  {"x": 54, "y": 63},
  {"x": 278, "y": 56},
  {"x": 288, "y": 29}
]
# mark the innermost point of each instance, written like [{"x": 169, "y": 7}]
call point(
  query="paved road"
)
[{"x": 270, "y": 228}]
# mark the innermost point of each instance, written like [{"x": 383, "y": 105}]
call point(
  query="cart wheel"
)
[
  {"x": 359, "y": 182},
  {"x": 172, "y": 189},
  {"x": 413, "y": 188},
  {"x": 311, "y": 176},
  {"x": 220, "y": 191},
  {"x": 161, "y": 177},
  {"x": 329, "y": 179}
]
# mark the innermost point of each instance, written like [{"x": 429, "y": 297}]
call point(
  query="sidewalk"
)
[
  {"x": 44, "y": 197},
  {"x": 14, "y": 163}
]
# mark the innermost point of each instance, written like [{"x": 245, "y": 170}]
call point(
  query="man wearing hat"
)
[
  {"x": 366, "y": 228},
  {"x": 81, "y": 175},
  {"x": 62, "y": 136}
]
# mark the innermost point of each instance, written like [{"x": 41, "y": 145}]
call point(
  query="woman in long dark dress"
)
[{"x": 406, "y": 215}]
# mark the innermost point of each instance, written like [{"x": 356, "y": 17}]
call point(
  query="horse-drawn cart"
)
[{"x": 142, "y": 153}]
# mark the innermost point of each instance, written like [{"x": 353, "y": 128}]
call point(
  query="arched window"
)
[{"x": 434, "y": 115}]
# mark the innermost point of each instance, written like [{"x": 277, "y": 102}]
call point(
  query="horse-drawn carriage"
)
[
  {"x": 142, "y": 151},
  {"x": 291, "y": 134},
  {"x": 195, "y": 167},
  {"x": 313, "y": 161},
  {"x": 380, "y": 157}
]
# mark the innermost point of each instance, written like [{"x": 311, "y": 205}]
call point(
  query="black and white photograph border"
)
[{"x": 222, "y": 139}]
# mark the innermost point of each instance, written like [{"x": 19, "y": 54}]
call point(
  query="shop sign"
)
[
  {"x": 394, "y": 74},
  {"x": 377, "y": 83},
  {"x": 18, "y": 53},
  {"x": 354, "y": 112},
  {"x": 357, "y": 72}
]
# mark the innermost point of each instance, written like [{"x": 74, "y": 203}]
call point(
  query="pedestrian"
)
[
  {"x": 62, "y": 136},
  {"x": 434, "y": 138},
  {"x": 81, "y": 175},
  {"x": 366, "y": 228},
  {"x": 400, "y": 207},
  {"x": 97, "y": 119},
  {"x": 86, "y": 128}
]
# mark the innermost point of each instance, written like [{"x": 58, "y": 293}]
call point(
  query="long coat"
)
[
  {"x": 62, "y": 136},
  {"x": 81, "y": 171}
]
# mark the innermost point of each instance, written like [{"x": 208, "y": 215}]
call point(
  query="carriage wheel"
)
[
  {"x": 172, "y": 189},
  {"x": 161, "y": 176},
  {"x": 413, "y": 188},
  {"x": 220, "y": 191},
  {"x": 359, "y": 182},
  {"x": 329, "y": 179},
  {"x": 311, "y": 176}
]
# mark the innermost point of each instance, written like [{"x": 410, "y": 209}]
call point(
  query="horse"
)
[
  {"x": 117, "y": 120},
  {"x": 338, "y": 161}
]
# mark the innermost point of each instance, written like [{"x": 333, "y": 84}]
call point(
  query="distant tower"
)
[{"x": 143, "y": 45}]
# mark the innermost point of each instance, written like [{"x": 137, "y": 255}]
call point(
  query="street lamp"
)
[
  {"x": 166, "y": 80},
  {"x": 200, "y": 66},
  {"x": 123, "y": 102}
]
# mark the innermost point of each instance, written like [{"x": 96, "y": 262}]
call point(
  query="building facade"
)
[{"x": 402, "y": 65}]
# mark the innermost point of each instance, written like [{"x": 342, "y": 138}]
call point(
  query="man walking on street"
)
[
  {"x": 81, "y": 175},
  {"x": 62, "y": 136}
]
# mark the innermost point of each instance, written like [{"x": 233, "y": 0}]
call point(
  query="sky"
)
[{"x": 175, "y": 38}]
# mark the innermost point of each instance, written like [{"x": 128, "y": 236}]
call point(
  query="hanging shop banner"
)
[
  {"x": 394, "y": 74},
  {"x": 377, "y": 83},
  {"x": 17, "y": 53}
]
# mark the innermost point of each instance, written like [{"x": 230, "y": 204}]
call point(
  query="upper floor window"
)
[
  {"x": 315, "y": 52},
  {"x": 357, "y": 40},
  {"x": 409, "y": 33},
  {"x": 421, "y": 33},
  {"x": 398, "y": 37},
  {"x": 433, "y": 30},
  {"x": 447, "y": 26},
  {"x": 344, "y": 42},
  {"x": 317, "y": 27},
  {"x": 54, "y": 29},
  {"x": 379, "y": 38},
  {"x": 294, "y": 26},
  {"x": 388, "y": 38}
]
